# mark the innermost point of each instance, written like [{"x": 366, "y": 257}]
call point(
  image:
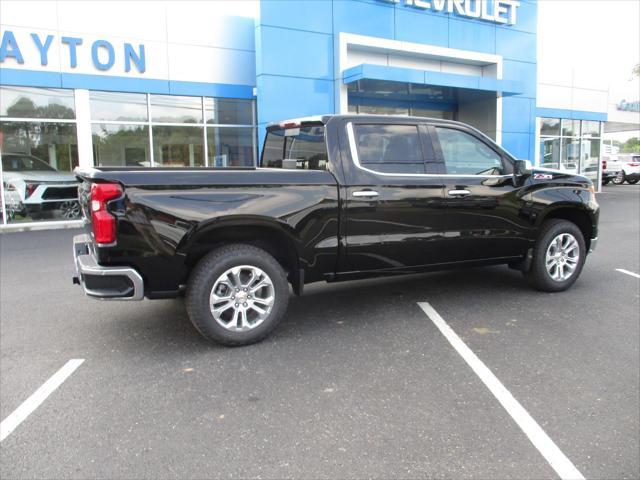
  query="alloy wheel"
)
[
  {"x": 242, "y": 298},
  {"x": 563, "y": 255}
]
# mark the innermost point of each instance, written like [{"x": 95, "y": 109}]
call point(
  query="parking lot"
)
[{"x": 356, "y": 382}]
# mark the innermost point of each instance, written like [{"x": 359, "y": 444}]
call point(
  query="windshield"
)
[
  {"x": 296, "y": 148},
  {"x": 24, "y": 163}
]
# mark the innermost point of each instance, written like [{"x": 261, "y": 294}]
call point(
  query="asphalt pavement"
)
[{"x": 356, "y": 382}]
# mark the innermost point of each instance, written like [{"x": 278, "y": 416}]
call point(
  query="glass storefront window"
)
[
  {"x": 36, "y": 161},
  {"x": 574, "y": 149},
  {"x": 590, "y": 157},
  {"x": 228, "y": 111},
  {"x": 178, "y": 146},
  {"x": 423, "y": 112},
  {"x": 383, "y": 110},
  {"x": 550, "y": 152},
  {"x": 119, "y": 107},
  {"x": 550, "y": 126},
  {"x": 570, "y": 128},
  {"x": 176, "y": 109},
  {"x": 230, "y": 146},
  {"x": 121, "y": 145},
  {"x": 24, "y": 102},
  {"x": 590, "y": 129}
]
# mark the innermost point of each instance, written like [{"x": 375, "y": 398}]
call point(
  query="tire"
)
[
  {"x": 633, "y": 182},
  {"x": 70, "y": 210},
  {"x": 539, "y": 276},
  {"x": 605, "y": 182},
  {"x": 619, "y": 178},
  {"x": 226, "y": 278}
]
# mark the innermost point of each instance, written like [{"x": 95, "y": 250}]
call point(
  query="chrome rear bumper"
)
[{"x": 105, "y": 283}]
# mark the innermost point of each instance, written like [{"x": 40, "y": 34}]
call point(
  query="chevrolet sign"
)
[{"x": 497, "y": 11}]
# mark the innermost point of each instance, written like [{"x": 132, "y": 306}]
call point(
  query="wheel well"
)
[
  {"x": 276, "y": 243},
  {"x": 578, "y": 217}
]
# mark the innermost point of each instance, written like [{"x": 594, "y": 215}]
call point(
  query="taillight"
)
[
  {"x": 604, "y": 164},
  {"x": 31, "y": 187},
  {"x": 104, "y": 224}
]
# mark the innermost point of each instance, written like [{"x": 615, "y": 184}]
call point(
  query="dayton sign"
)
[
  {"x": 497, "y": 11},
  {"x": 103, "y": 53}
]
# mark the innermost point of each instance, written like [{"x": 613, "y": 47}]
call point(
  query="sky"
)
[{"x": 598, "y": 37}]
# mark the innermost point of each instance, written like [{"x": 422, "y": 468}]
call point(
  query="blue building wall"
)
[{"x": 295, "y": 54}]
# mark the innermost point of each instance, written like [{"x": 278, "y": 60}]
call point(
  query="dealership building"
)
[{"x": 184, "y": 84}]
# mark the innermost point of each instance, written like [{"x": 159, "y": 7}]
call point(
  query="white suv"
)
[
  {"x": 629, "y": 166},
  {"x": 34, "y": 188}
]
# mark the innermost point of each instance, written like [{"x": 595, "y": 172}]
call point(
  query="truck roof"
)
[{"x": 324, "y": 119}]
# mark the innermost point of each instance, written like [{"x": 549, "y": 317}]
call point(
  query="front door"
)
[
  {"x": 393, "y": 199},
  {"x": 482, "y": 201}
]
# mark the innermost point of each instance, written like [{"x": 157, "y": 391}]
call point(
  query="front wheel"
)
[
  {"x": 237, "y": 295},
  {"x": 558, "y": 257},
  {"x": 619, "y": 178}
]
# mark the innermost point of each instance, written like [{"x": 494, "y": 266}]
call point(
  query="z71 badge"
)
[{"x": 542, "y": 176}]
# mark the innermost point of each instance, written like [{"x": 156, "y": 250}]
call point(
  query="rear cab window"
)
[{"x": 302, "y": 147}]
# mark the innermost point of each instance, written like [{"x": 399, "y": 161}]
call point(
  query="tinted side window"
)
[
  {"x": 389, "y": 148},
  {"x": 465, "y": 154}
]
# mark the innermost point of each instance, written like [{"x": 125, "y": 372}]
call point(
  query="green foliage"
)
[{"x": 631, "y": 146}]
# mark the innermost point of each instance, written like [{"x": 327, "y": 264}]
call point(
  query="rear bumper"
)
[{"x": 105, "y": 283}]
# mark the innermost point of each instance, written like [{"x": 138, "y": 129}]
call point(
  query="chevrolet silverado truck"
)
[{"x": 337, "y": 197}]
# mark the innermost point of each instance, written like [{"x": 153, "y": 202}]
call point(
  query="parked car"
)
[
  {"x": 338, "y": 197},
  {"x": 629, "y": 169},
  {"x": 610, "y": 170},
  {"x": 36, "y": 189}
]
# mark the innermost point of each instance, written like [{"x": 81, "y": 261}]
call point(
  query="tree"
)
[{"x": 632, "y": 145}]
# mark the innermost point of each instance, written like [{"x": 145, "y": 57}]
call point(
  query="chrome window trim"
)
[{"x": 356, "y": 161}]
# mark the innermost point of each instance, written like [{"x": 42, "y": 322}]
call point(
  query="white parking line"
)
[
  {"x": 622, "y": 270},
  {"x": 27, "y": 407},
  {"x": 549, "y": 450}
]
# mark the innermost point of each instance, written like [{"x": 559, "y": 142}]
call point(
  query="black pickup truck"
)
[{"x": 337, "y": 197}]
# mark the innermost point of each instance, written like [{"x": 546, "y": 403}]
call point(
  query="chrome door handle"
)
[
  {"x": 459, "y": 193},
  {"x": 365, "y": 193}
]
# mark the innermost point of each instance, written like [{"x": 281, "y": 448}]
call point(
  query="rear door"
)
[
  {"x": 482, "y": 200},
  {"x": 393, "y": 196}
]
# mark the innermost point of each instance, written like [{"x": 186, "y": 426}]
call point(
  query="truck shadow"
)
[{"x": 162, "y": 326}]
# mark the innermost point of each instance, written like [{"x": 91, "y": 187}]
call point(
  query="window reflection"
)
[
  {"x": 550, "y": 126},
  {"x": 36, "y": 161},
  {"x": 228, "y": 111},
  {"x": 118, "y": 106},
  {"x": 121, "y": 145},
  {"x": 230, "y": 146},
  {"x": 575, "y": 148},
  {"x": 176, "y": 109},
  {"x": 178, "y": 146},
  {"x": 24, "y": 102}
]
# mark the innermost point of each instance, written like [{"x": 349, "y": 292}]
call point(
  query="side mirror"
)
[{"x": 523, "y": 167}]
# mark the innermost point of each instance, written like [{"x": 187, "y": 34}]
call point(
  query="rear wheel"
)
[
  {"x": 558, "y": 257},
  {"x": 237, "y": 295},
  {"x": 633, "y": 182},
  {"x": 619, "y": 178}
]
